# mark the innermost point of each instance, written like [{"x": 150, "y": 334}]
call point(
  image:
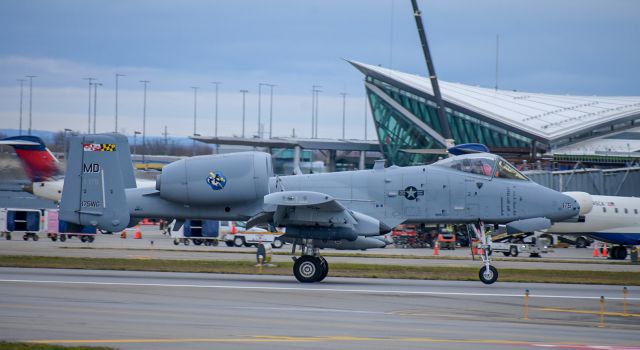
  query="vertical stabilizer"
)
[{"x": 94, "y": 184}]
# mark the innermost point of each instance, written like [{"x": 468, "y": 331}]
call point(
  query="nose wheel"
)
[{"x": 488, "y": 274}]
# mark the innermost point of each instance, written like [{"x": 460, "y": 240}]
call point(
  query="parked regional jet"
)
[{"x": 609, "y": 219}]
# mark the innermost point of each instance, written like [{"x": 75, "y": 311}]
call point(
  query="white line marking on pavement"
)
[{"x": 331, "y": 290}]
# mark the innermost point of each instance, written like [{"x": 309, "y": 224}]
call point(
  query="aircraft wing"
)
[{"x": 313, "y": 209}]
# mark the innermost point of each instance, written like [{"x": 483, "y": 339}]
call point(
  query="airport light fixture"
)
[
  {"x": 89, "y": 112},
  {"x": 244, "y": 95},
  {"x": 215, "y": 131},
  {"x": 21, "y": 94},
  {"x": 118, "y": 75},
  {"x": 30, "y": 99}
]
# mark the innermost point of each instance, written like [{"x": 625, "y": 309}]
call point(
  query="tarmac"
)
[{"x": 148, "y": 310}]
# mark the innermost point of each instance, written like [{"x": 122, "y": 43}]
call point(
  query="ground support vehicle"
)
[
  {"x": 199, "y": 232},
  {"x": 61, "y": 230},
  {"x": 534, "y": 248},
  {"x": 25, "y": 222},
  {"x": 235, "y": 234}
]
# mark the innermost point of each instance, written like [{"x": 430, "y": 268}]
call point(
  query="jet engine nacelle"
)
[
  {"x": 584, "y": 200},
  {"x": 216, "y": 179}
]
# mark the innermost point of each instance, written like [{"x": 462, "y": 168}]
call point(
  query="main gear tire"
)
[{"x": 307, "y": 269}]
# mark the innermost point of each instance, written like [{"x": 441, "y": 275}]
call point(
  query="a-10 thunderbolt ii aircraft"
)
[{"x": 318, "y": 210}]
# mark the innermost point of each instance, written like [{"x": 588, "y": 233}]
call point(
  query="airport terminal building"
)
[{"x": 518, "y": 125}]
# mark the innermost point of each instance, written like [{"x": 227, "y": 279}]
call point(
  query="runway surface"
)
[{"x": 143, "y": 310}]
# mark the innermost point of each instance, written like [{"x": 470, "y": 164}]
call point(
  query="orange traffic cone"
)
[
  {"x": 436, "y": 249},
  {"x": 605, "y": 251},
  {"x": 596, "y": 253},
  {"x": 138, "y": 234},
  {"x": 123, "y": 235}
]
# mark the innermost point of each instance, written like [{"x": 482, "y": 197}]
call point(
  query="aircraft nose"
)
[
  {"x": 569, "y": 207},
  {"x": 28, "y": 188}
]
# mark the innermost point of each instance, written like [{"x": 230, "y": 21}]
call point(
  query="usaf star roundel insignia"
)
[
  {"x": 411, "y": 193},
  {"x": 216, "y": 180}
]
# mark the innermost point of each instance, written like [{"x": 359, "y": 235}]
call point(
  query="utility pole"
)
[
  {"x": 117, "y": 76},
  {"x": 21, "y": 94},
  {"x": 244, "y": 94},
  {"x": 195, "y": 117},
  {"x": 30, "y": 98},
  {"x": 144, "y": 117},
  {"x": 344, "y": 104},
  {"x": 95, "y": 104},
  {"x": 216, "y": 83},
  {"x": 442, "y": 115},
  {"x": 89, "y": 113}
]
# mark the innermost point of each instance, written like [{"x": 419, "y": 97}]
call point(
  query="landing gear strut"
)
[
  {"x": 488, "y": 274},
  {"x": 310, "y": 267}
]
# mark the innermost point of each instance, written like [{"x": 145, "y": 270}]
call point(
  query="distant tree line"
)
[{"x": 155, "y": 146}]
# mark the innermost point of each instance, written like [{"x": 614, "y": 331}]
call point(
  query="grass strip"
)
[
  {"x": 336, "y": 270},
  {"x": 373, "y": 255},
  {"x": 28, "y": 346}
]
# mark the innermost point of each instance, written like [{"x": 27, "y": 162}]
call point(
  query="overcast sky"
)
[{"x": 580, "y": 47}]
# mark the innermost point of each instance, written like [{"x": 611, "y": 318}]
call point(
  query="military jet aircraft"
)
[{"x": 316, "y": 209}]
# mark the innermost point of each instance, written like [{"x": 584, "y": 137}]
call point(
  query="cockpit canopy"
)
[{"x": 483, "y": 164}]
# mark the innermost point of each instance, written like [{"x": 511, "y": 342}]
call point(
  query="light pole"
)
[
  {"x": 21, "y": 94},
  {"x": 216, "y": 83},
  {"x": 195, "y": 116},
  {"x": 271, "y": 86},
  {"x": 89, "y": 112},
  {"x": 144, "y": 116},
  {"x": 366, "y": 104},
  {"x": 260, "y": 85},
  {"x": 66, "y": 143},
  {"x": 244, "y": 94},
  {"x": 344, "y": 103},
  {"x": 117, "y": 76},
  {"x": 95, "y": 104},
  {"x": 30, "y": 98},
  {"x": 314, "y": 110},
  {"x": 135, "y": 141}
]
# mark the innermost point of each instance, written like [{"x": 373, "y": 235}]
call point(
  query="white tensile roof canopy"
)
[{"x": 549, "y": 117}]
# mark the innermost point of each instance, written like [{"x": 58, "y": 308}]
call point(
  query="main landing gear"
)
[
  {"x": 488, "y": 274},
  {"x": 310, "y": 267}
]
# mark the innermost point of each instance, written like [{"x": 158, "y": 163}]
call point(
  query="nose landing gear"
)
[{"x": 488, "y": 274}]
